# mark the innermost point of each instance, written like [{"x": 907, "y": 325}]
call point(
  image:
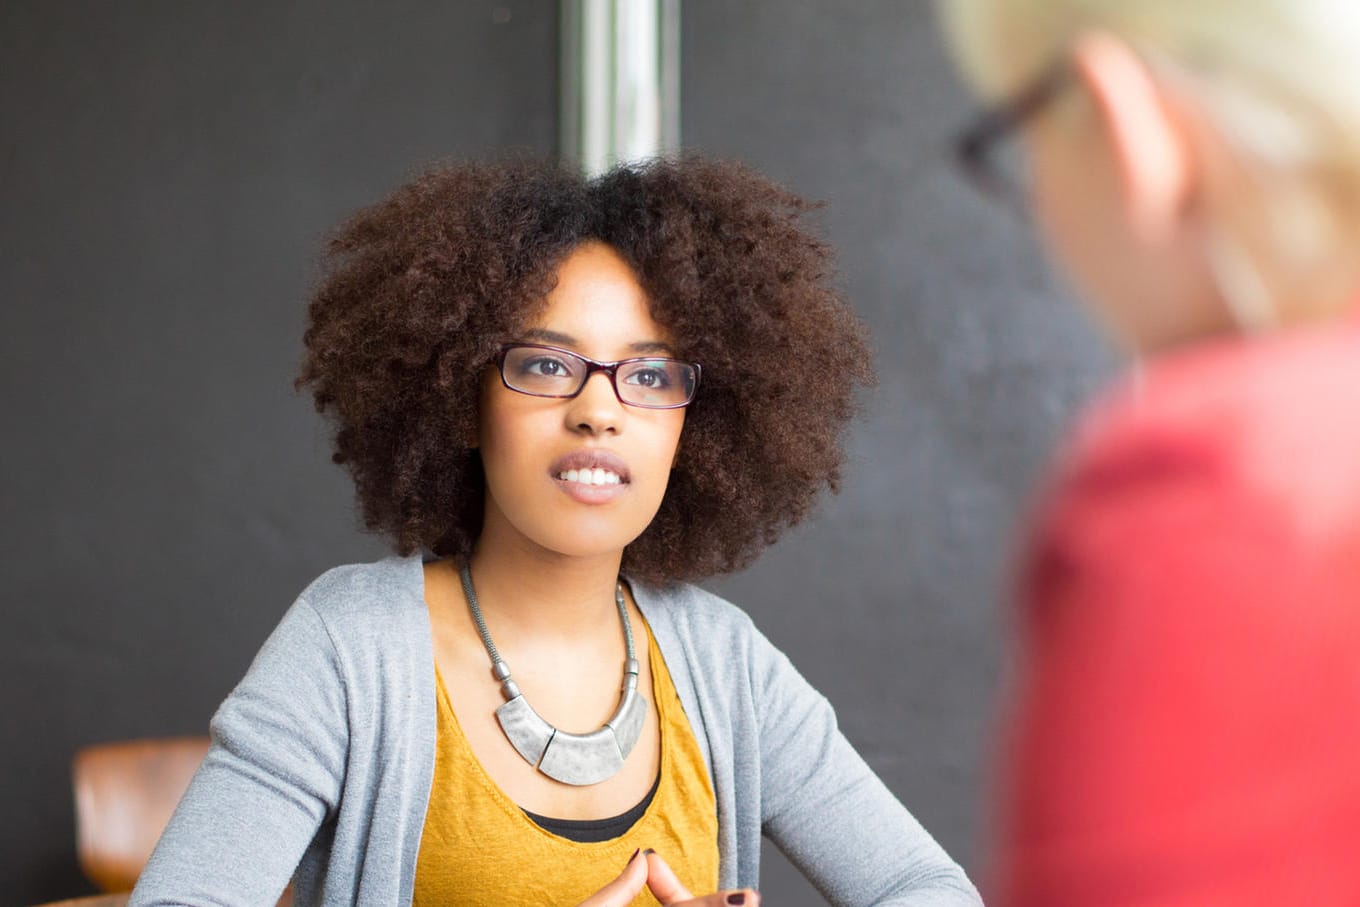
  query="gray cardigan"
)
[{"x": 323, "y": 755}]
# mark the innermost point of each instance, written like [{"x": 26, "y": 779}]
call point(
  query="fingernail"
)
[
  {"x": 634, "y": 856},
  {"x": 737, "y": 897},
  {"x": 649, "y": 850}
]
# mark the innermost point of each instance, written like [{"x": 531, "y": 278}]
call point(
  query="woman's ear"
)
[{"x": 1144, "y": 130}]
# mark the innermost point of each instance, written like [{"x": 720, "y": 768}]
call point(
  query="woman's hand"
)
[
  {"x": 621, "y": 891},
  {"x": 650, "y": 870},
  {"x": 671, "y": 893}
]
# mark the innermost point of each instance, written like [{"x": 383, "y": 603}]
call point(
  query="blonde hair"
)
[{"x": 1277, "y": 80}]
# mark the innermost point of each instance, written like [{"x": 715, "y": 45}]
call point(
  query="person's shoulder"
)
[
  {"x": 1232, "y": 402},
  {"x": 706, "y": 637},
  {"x": 690, "y": 607},
  {"x": 381, "y": 588},
  {"x": 1232, "y": 421}
]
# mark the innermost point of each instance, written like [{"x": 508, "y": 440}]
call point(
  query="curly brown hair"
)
[{"x": 420, "y": 290}]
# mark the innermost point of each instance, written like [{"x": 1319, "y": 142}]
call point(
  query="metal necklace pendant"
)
[{"x": 578, "y": 759}]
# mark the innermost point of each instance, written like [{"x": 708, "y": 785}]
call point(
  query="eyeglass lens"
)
[{"x": 557, "y": 373}]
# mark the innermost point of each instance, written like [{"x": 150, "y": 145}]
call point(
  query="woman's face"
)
[
  {"x": 1132, "y": 287},
  {"x": 1144, "y": 275},
  {"x": 535, "y": 449}
]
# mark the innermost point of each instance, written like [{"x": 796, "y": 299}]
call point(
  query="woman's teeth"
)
[{"x": 590, "y": 476}]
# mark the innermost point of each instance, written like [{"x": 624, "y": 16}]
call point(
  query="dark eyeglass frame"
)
[
  {"x": 594, "y": 365},
  {"x": 975, "y": 145}
]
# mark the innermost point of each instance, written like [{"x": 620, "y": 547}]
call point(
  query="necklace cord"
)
[
  {"x": 502, "y": 670},
  {"x": 578, "y": 759}
]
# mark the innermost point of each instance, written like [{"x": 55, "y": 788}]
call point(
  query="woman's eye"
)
[
  {"x": 546, "y": 367},
  {"x": 654, "y": 377}
]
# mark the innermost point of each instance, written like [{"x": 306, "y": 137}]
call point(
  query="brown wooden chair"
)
[
  {"x": 98, "y": 900},
  {"x": 125, "y": 793}
]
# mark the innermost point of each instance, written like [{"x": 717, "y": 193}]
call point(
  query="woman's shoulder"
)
[
  {"x": 1222, "y": 430},
  {"x": 376, "y": 592},
  {"x": 689, "y": 608},
  {"x": 1249, "y": 408},
  {"x": 368, "y": 622},
  {"x": 717, "y": 640}
]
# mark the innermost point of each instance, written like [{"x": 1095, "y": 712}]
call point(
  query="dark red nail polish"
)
[
  {"x": 649, "y": 850},
  {"x": 737, "y": 897},
  {"x": 634, "y": 856}
]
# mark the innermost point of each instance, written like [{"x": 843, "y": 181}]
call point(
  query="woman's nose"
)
[{"x": 597, "y": 408}]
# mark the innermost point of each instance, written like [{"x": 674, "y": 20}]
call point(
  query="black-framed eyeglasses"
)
[
  {"x": 652, "y": 382},
  {"x": 978, "y": 147}
]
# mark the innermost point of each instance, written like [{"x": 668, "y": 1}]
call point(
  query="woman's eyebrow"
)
[
  {"x": 542, "y": 335},
  {"x": 557, "y": 338},
  {"x": 651, "y": 346}
]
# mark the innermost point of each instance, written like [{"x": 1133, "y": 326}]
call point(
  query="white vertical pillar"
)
[{"x": 620, "y": 81}]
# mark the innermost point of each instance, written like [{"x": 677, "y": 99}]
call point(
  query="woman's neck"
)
[{"x": 542, "y": 592}]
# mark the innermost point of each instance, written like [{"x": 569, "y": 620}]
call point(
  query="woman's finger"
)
[
  {"x": 745, "y": 897},
  {"x": 663, "y": 882},
  {"x": 671, "y": 892},
  {"x": 621, "y": 891}
]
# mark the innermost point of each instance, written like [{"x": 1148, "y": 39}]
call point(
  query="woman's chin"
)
[{"x": 584, "y": 541}]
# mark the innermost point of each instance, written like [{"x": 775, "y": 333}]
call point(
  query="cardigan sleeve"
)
[
  {"x": 829, "y": 813},
  {"x": 272, "y": 776},
  {"x": 1174, "y": 735}
]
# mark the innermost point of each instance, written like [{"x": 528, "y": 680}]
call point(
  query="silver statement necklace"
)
[{"x": 578, "y": 759}]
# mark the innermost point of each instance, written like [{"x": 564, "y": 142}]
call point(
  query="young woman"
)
[
  {"x": 576, "y": 396},
  {"x": 1186, "y": 725}
]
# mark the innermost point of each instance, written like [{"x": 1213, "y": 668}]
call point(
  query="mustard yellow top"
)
[{"x": 479, "y": 848}]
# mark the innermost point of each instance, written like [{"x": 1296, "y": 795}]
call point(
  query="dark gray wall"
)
[
  {"x": 169, "y": 171},
  {"x": 889, "y": 601}
]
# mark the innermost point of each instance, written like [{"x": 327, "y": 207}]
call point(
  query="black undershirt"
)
[{"x": 590, "y": 831}]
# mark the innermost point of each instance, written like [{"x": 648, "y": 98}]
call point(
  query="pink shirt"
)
[{"x": 1184, "y": 727}]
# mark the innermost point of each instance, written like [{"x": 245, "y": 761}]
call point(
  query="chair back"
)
[
  {"x": 98, "y": 900},
  {"x": 125, "y": 793}
]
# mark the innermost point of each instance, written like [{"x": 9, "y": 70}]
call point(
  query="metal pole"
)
[{"x": 620, "y": 81}]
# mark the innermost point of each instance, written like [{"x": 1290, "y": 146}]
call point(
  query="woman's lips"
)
[{"x": 590, "y": 476}]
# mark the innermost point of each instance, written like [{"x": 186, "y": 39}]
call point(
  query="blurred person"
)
[
  {"x": 575, "y": 396},
  {"x": 1184, "y": 725}
]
